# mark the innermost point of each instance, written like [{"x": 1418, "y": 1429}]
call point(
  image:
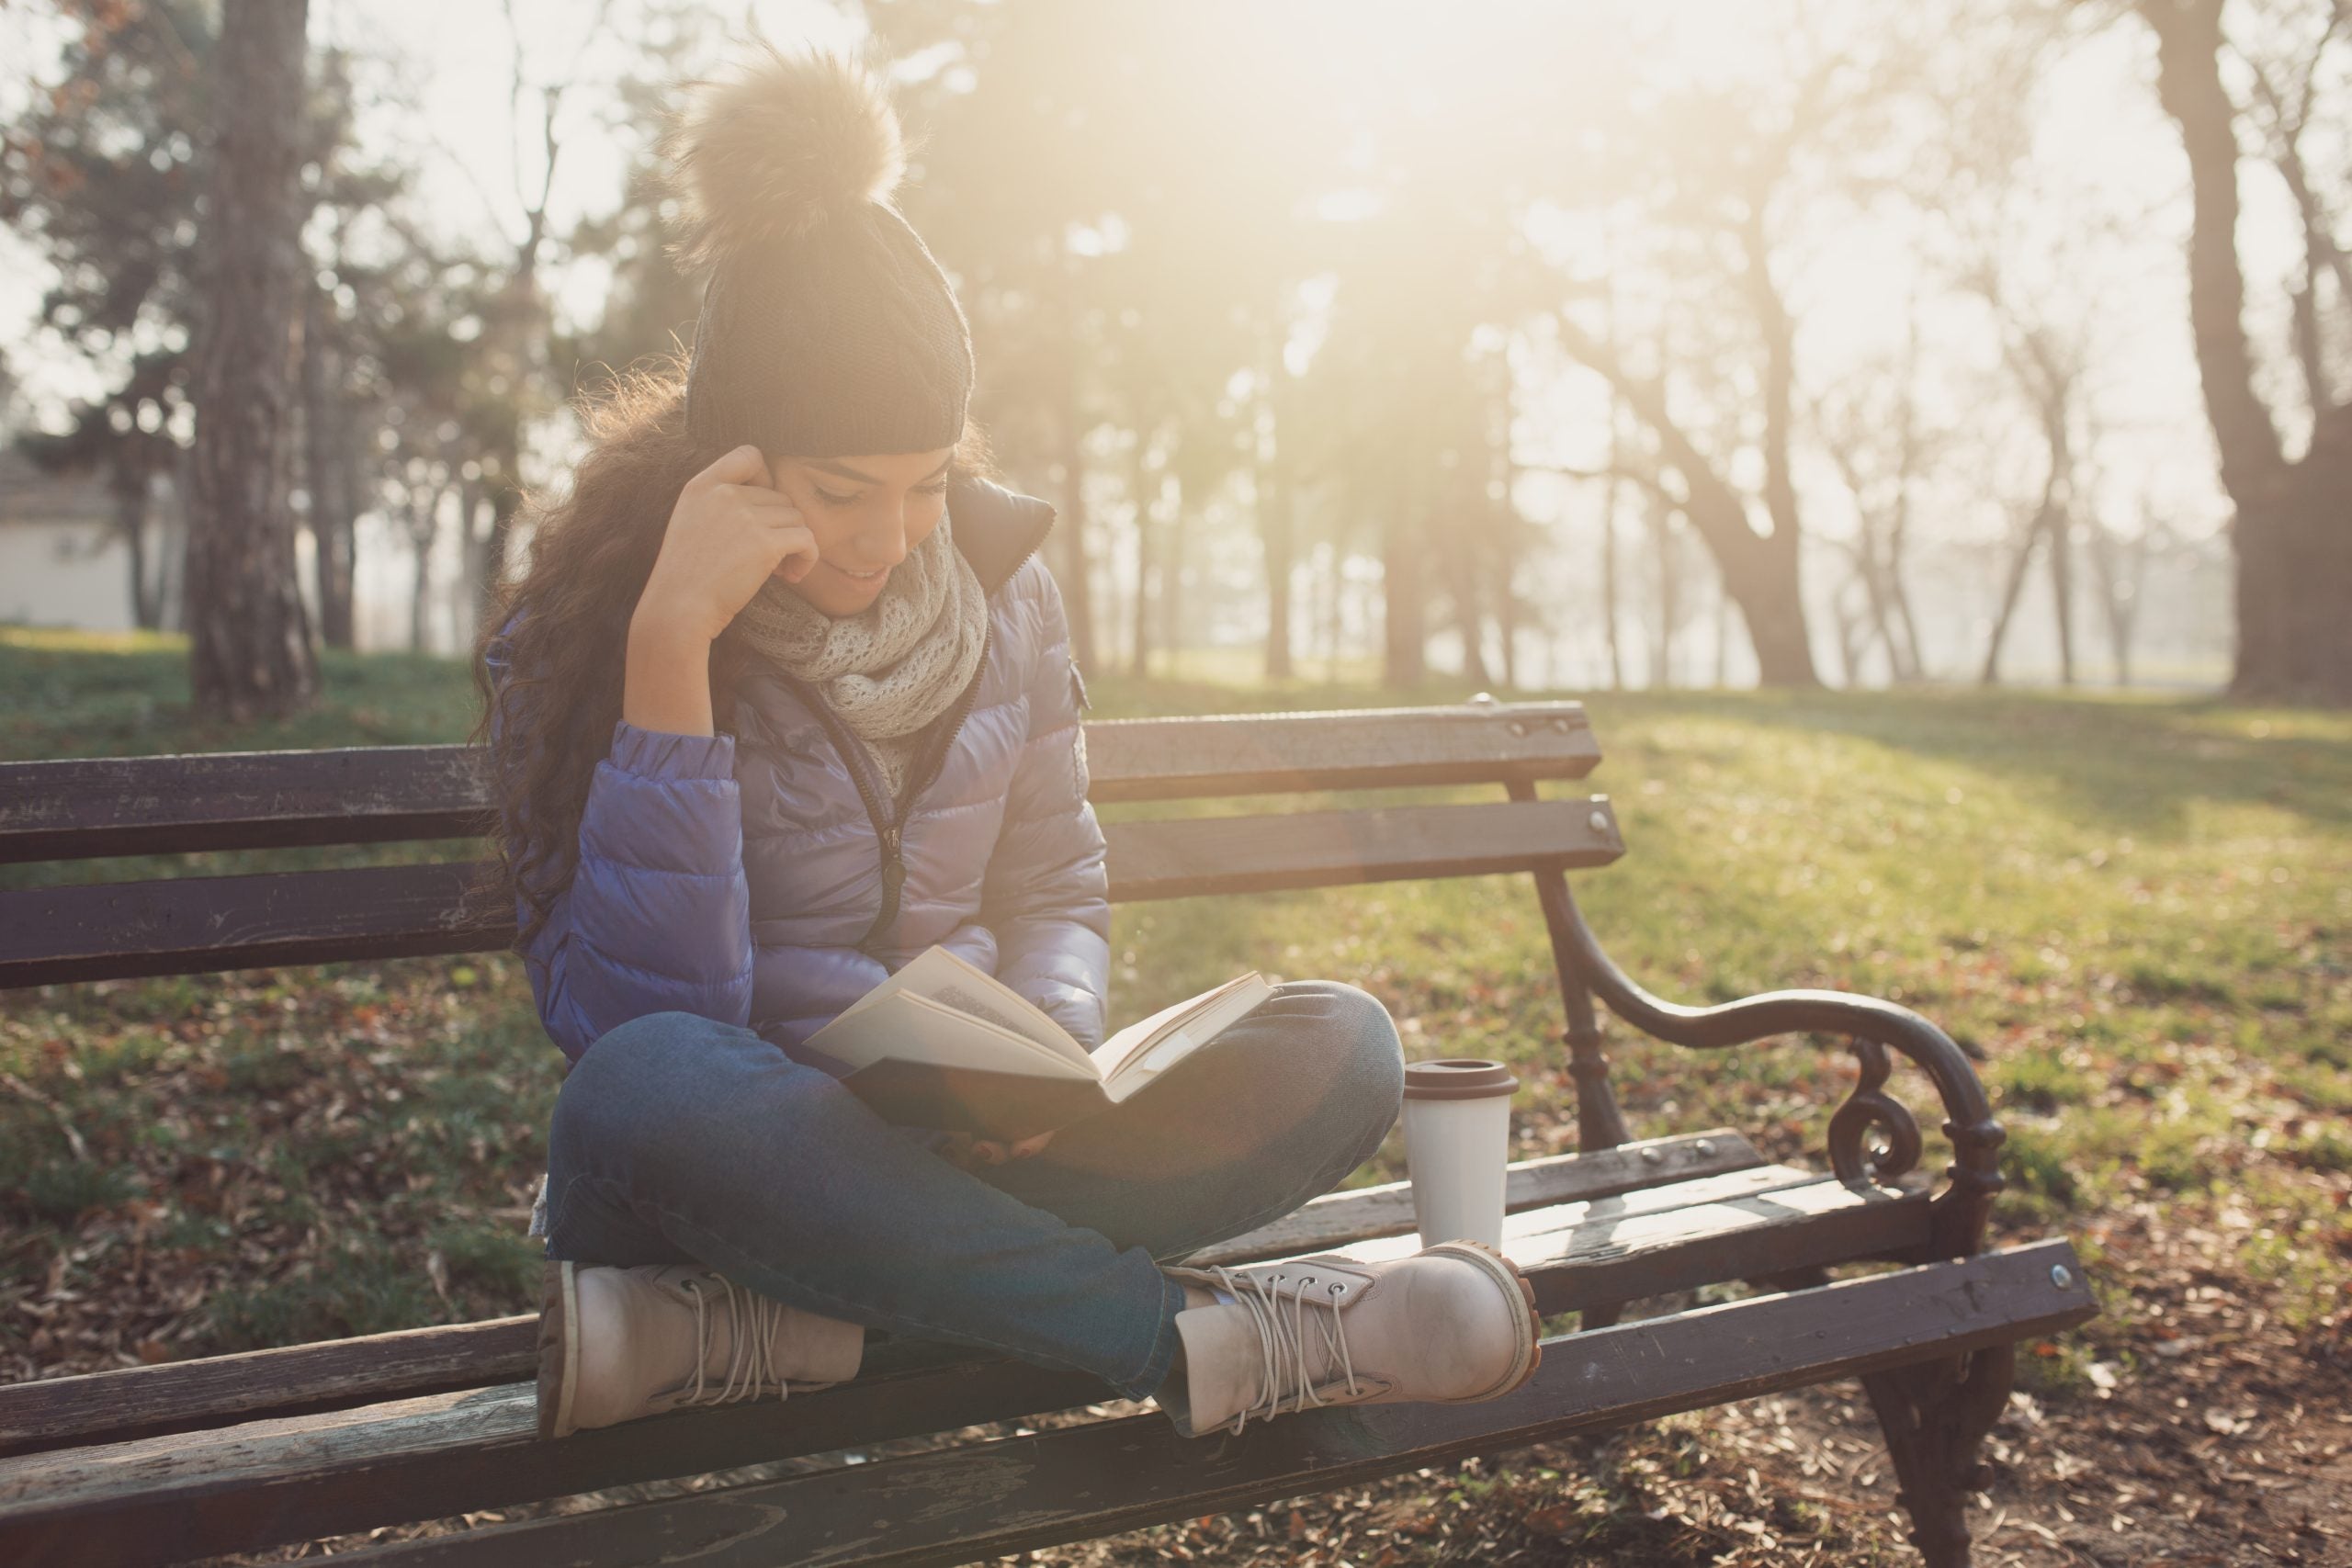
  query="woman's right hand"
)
[{"x": 729, "y": 531}]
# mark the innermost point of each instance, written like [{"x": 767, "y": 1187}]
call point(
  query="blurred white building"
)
[{"x": 64, "y": 560}]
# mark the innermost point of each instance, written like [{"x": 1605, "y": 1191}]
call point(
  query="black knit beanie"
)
[{"x": 827, "y": 329}]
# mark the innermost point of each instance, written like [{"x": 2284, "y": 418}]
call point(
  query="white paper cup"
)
[{"x": 1457, "y": 1146}]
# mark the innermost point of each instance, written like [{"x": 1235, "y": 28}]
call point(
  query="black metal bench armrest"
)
[{"x": 1874, "y": 1026}]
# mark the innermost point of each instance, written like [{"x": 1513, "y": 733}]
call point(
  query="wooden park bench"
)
[{"x": 156, "y": 1464}]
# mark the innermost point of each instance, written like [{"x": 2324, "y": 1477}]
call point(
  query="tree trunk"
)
[
  {"x": 2011, "y": 587},
  {"x": 2291, "y": 536},
  {"x": 2120, "y": 578},
  {"x": 249, "y": 652},
  {"x": 1327, "y": 585},
  {"x": 423, "y": 530},
  {"x": 1077, "y": 576},
  {"x": 1615, "y": 486},
  {"x": 1507, "y": 624},
  {"x": 1722, "y": 640},
  {"x": 1908, "y": 663},
  {"x": 1140, "y": 655},
  {"x": 517, "y": 315},
  {"x": 1870, "y": 572},
  {"x": 171, "y": 578},
  {"x": 1662, "y": 545},
  {"x": 1469, "y": 619},
  {"x": 1609, "y": 615},
  {"x": 1404, "y": 605},
  {"x": 1277, "y": 524},
  {"x": 1848, "y": 628},
  {"x": 1168, "y": 578},
  {"x": 2294, "y": 558},
  {"x": 475, "y": 577},
  {"x": 326, "y": 474},
  {"x": 2062, "y": 594},
  {"x": 127, "y": 482}
]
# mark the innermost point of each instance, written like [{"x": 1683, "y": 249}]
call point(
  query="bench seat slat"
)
[
  {"x": 93, "y": 807},
  {"x": 448, "y": 1453},
  {"x": 1075, "y": 1484},
  {"x": 202, "y": 924},
  {"x": 136, "y": 1401}
]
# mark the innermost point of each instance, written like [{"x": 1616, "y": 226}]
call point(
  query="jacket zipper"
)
[{"x": 890, "y": 830}]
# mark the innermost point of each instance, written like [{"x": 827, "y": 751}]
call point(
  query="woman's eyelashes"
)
[{"x": 829, "y": 499}]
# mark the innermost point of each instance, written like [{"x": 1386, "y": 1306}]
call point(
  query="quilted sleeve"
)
[{"x": 657, "y": 916}]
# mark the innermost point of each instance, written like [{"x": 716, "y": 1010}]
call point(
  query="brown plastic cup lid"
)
[{"x": 1457, "y": 1077}]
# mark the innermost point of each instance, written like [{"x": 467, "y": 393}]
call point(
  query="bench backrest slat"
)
[
  {"x": 1173, "y": 759},
  {"x": 82, "y": 809},
  {"x": 255, "y": 800},
  {"x": 200, "y": 924}
]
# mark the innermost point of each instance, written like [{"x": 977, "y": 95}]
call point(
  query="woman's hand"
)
[
  {"x": 729, "y": 531},
  {"x": 965, "y": 1150}
]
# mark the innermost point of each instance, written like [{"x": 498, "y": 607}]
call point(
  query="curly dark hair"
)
[{"x": 560, "y": 623}]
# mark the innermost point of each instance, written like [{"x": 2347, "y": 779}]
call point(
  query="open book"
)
[{"x": 944, "y": 1044}]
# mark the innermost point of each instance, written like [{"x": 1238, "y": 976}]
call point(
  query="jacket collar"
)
[{"x": 996, "y": 528}]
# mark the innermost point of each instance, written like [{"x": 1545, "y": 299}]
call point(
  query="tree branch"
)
[{"x": 2188, "y": 85}]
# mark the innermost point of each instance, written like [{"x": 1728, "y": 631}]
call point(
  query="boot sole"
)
[
  {"x": 1531, "y": 1327},
  {"x": 558, "y": 1348}
]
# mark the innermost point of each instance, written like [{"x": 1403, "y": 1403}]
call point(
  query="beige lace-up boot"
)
[
  {"x": 617, "y": 1344},
  {"x": 1454, "y": 1324}
]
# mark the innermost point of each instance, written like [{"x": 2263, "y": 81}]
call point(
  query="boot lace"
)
[
  {"x": 750, "y": 1356},
  {"x": 1282, "y": 1339}
]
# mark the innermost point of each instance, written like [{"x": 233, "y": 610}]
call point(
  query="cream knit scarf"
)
[{"x": 893, "y": 667}]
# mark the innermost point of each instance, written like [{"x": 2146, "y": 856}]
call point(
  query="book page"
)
[
  {"x": 962, "y": 1001},
  {"x": 955, "y": 982},
  {"x": 906, "y": 1027},
  {"x": 1145, "y": 1049}
]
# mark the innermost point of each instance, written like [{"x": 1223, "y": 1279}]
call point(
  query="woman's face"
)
[{"x": 869, "y": 514}]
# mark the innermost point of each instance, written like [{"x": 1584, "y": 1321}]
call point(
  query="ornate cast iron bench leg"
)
[{"x": 1935, "y": 1415}]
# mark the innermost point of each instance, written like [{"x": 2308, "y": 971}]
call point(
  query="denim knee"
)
[
  {"x": 636, "y": 1086},
  {"x": 1365, "y": 1059}
]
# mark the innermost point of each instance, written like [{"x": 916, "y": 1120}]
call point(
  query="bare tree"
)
[
  {"x": 2050, "y": 376},
  {"x": 1609, "y": 569},
  {"x": 2285, "y": 94},
  {"x": 250, "y": 651},
  {"x": 2119, "y": 566},
  {"x": 1869, "y": 431},
  {"x": 2291, "y": 536},
  {"x": 1730, "y": 193}
]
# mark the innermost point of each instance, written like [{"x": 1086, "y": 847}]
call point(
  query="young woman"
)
[{"x": 783, "y": 698}]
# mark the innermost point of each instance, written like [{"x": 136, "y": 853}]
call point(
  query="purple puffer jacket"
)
[{"x": 759, "y": 878}]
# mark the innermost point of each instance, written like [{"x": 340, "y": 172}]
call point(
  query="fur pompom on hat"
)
[
  {"x": 771, "y": 154},
  {"x": 827, "y": 328}
]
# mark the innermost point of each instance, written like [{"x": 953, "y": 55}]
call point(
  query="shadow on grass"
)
[{"x": 2137, "y": 763}]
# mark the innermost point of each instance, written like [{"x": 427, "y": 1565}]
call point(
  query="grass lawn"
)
[{"x": 2139, "y": 912}]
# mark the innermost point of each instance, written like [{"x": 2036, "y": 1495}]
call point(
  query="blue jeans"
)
[{"x": 678, "y": 1139}]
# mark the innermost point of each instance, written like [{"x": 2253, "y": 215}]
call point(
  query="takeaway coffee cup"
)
[{"x": 1457, "y": 1146}]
